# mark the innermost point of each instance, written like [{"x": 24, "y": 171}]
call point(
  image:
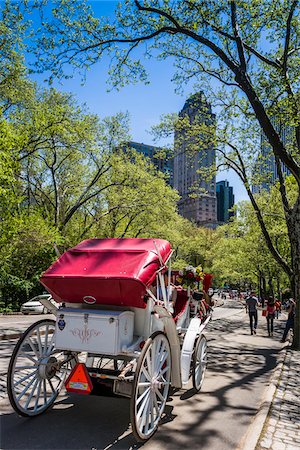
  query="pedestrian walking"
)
[
  {"x": 251, "y": 306},
  {"x": 277, "y": 307},
  {"x": 291, "y": 318},
  {"x": 270, "y": 315}
]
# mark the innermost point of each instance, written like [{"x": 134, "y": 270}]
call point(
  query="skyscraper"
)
[
  {"x": 265, "y": 170},
  {"x": 225, "y": 201},
  {"x": 193, "y": 155},
  {"x": 162, "y": 162}
]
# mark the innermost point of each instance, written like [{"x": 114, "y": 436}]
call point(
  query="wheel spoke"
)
[
  {"x": 163, "y": 360},
  {"x": 46, "y": 339},
  {"x": 164, "y": 370},
  {"x": 26, "y": 355},
  {"x": 146, "y": 415},
  {"x": 51, "y": 385},
  {"x": 145, "y": 412},
  {"x": 149, "y": 366},
  {"x": 159, "y": 394},
  {"x": 156, "y": 405},
  {"x": 38, "y": 396},
  {"x": 50, "y": 346},
  {"x": 151, "y": 411},
  {"x": 32, "y": 346},
  {"x": 146, "y": 392},
  {"x": 146, "y": 373},
  {"x": 25, "y": 367},
  {"x": 24, "y": 378},
  {"x": 39, "y": 341},
  {"x": 144, "y": 402},
  {"x": 26, "y": 388},
  {"x": 160, "y": 355},
  {"x": 31, "y": 394},
  {"x": 45, "y": 392}
]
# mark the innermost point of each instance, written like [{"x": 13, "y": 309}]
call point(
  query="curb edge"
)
[{"x": 252, "y": 436}]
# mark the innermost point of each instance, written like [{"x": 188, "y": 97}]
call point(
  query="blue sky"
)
[{"x": 145, "y": 103}]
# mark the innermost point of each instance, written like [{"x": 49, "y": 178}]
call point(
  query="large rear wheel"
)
[
  {"x": 151, "y": 386},
  {"x": 37, "y": 370}
]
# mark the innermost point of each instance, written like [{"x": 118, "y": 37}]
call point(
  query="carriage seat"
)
[{"x": 181, "y": 304}]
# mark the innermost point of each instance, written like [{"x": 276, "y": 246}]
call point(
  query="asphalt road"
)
[{"x": 239, "y": 367}]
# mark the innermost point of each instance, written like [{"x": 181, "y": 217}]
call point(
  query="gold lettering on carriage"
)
[{"x": 85, "y": 334}]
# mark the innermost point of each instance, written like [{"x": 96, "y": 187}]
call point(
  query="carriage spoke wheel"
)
[
  {"x": 199, "y": 362},
  {"x": 151, "y": 386},
  {"x": 37, "y": 370}
]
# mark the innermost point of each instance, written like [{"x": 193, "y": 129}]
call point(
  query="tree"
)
[
  {"x": 251, "y": 50},
  {"x": 241, "y": 256}
]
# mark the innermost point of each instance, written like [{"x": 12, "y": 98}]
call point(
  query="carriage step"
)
[{"x": 107, "y": 382}]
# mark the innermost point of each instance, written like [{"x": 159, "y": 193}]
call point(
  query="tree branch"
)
[
  {"x": 78, "y": 204},
  {"x": 238, "y": 39},
  {"x": 282, "y": 189},
  {"x": 288, "y": 35}
]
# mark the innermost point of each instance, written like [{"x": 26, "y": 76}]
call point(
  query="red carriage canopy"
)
[{"x": 113, "y": 271}]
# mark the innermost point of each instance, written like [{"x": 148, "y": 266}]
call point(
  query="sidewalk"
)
[{"x": 282, "y": 427}]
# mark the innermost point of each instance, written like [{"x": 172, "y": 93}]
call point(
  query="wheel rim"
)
[
  {"x": 152, "y": 386},
  {"x": 37, "y": 370},
  {"x": 200, "y": 363}
]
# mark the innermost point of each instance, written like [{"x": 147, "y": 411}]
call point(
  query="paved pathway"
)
[{"x": 282, "y": 428}]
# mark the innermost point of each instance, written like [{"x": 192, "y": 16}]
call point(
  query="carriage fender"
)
[
  {"x": 172, "y": 335},
  {"x": 192, "y": 333}
]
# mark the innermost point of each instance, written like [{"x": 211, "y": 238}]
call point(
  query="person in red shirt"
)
[
  {"x": 270, "y": 315},
  {"x": 277, "y": 307}
]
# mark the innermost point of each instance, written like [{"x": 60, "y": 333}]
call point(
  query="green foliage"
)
[{"x": 241, "y": 256}]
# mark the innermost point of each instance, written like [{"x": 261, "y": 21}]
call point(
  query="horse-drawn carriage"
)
[{"x": 115, "y": 329}]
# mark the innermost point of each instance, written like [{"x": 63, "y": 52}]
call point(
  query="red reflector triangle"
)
[{"x": 79, "y": 380}]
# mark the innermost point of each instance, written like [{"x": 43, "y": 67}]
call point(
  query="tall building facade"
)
[
  {"x": 198, "y": 201},
  {"x": 265, "y": 170},
  {"x": 225, "y": 201},
  {"x": 160, "y": 160}
]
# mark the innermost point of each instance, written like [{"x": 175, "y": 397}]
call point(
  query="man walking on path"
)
[{"x": 251, "y": 305}]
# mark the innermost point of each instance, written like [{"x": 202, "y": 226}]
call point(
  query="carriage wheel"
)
[
  {"x": 199, "y": 362},
  {"x": 37, "y": 371},
  {"x": 151, "y": 386}
]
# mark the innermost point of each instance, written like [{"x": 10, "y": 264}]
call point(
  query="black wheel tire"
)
[{"x": 135, "y": 431}]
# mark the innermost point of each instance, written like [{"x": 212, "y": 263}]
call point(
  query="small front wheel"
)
[
  {"x": 151, "y": 386},
  {"x": 37, "y": 371},
  {"x": 199, "y": 362}
]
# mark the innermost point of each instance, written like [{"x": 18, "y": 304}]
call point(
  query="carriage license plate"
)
[{"x": 103, "y": 332}]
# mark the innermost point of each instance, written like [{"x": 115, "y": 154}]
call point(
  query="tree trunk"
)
[
  {"x": 264, "y": 286},
  {"x": 294, "y": 235},
  {"x": 278, "y": 288}
]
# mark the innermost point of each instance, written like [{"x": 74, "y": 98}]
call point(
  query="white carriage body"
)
[{"x": 94, "y": 331}]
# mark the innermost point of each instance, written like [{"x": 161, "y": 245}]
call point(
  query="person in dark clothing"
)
[
  {"x": 290, "y": 320},
  {"x": 251, "y": 306}
]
